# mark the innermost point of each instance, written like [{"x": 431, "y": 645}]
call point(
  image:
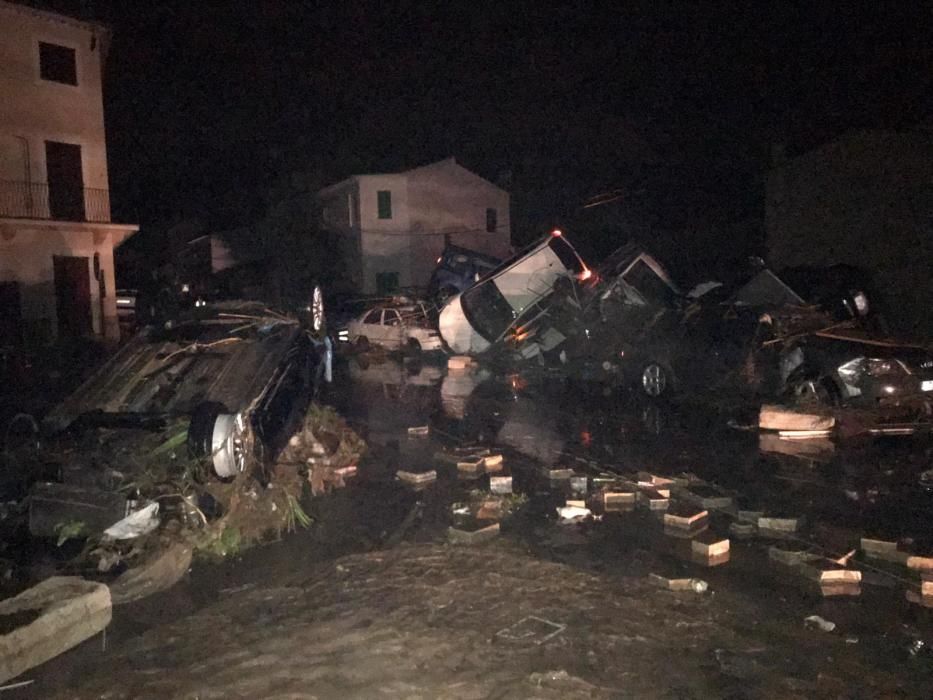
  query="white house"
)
[
  {"x": 56, "y": 233},
  {"x": 396, "y": 225}
]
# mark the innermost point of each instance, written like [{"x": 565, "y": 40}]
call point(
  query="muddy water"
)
[{"x": 755, "y": 613}]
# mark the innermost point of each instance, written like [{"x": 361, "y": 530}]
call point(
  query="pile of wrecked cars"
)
[{"x": 626, "y": 323}]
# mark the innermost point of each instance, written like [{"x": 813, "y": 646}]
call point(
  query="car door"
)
[
  {"x": 392, "y": 329},
  {"x": 369, "y": 326}
]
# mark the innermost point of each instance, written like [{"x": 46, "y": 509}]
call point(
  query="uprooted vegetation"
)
[{"x": 198, "y": 511}]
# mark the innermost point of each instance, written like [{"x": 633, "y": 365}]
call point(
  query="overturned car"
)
[{"x": 237, "y": 370}]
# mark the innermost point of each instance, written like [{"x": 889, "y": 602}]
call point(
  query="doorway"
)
[
  {"x": 73, "y": 296},
  {"x": 11, "y": 317},
  {"x": 66, "y": 181}
]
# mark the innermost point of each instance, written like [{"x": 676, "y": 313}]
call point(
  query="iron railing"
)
[{"x": 37, "y": 200}]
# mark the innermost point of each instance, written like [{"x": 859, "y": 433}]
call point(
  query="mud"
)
[{"x": 372, "y": 602}]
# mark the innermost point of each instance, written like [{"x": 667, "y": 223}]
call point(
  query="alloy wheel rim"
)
[{"x": 654, "y": 380}]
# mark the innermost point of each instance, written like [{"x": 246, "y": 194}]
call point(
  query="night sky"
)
[{"x": 674, "y": 105}]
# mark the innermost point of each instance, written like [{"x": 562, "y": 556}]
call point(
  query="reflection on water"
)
[{"x": 871, "y": 485}]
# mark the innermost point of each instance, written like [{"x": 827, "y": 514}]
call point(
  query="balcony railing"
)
[{"x": 66, "y": 202}]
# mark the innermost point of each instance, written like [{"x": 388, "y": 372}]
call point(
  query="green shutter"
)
[{"x": 384, "y": 200}]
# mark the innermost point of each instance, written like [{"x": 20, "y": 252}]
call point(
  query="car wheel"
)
[
  {"x": 215, "y": 433},
  {"x": 414, "y": 346},
  {"x": 655, "y": 380},
  {"x": 317, "y": 309},
  {"x": 362, "y": 343}
]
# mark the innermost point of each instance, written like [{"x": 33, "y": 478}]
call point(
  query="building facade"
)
[
  {"x": 866, "y": 200},
  {"x": 394, "y": 226},
  {"x": 56, "y": 233}
]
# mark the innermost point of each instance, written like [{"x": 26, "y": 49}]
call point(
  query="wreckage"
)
[
  {"x": 190, "y": 423},
  {"x": 625, "y": 323}
]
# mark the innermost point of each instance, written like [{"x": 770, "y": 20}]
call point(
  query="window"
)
[
  {"x": 487, "y": 310},
  {"x": 57, "y": 63},
  {"x": 374, "y": 317},
  {"x": 384, "y": 201},
  {"x": 649, "y": 285},
  {"x": 390, "y": 317},
  {"x": 386, "y": 282},
  {"x": 491, "y": 220}
]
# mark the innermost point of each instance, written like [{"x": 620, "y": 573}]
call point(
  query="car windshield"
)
[
  {"x": 649, "y": 285},
  {"x": 487, "y": 310}
]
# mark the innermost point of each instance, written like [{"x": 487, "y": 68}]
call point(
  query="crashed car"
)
[
  {"x": 237, "y": 370},
  {"x": 457, "y": 270},
  {"x": 397, "y": 327},
  {"x": 845, "y": 368},
  {"x": 481, "y": 317}
]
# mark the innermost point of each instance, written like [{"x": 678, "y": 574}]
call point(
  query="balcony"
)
[{"x": 60, "y": 202}]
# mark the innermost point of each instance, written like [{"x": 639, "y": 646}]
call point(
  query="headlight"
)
[
  {"x": 861, "y": 303},
  {"x": 871, "y": 366}
]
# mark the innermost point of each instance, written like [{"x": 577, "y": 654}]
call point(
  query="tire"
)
[
  {"x": 201, "y": 428},
  {"x": 414, "y": 347},
  {"x": 362, "y": 343},
  {"x": 655, "y": 380}
]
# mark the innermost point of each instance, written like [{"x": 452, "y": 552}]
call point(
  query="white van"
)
[{"x": 472, "y": 321}]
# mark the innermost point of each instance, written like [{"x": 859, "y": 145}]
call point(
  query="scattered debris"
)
[
  {"x": 531, "y": 629},
  {"x": 679, "y": 584},
  {"x": 817, "y": 622},
  {"x": 579, "y": 484},
  {"x": 138, "y": 523},
  {"x": 573, "y": 514}
]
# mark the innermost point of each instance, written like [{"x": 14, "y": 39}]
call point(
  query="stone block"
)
[
  {"x": 790, "y": 557},
  {"x": 493, "y": 463},
  {"x": 471, "y": 537},
  {"x": 778, "y": 527},
  {"x": 556, "y": 473},
  {"x": 653, "y": 499},
  {"x": 500, "y": 484},
  {"x": 742, "y": 531},
  {"x": 460, "y": 362},
  {"x": 57, "y": 614},
  {"x": 706, "y": 497},
  {"x": 618, "y": 500},
  {"x": 472, "y": 467},
  {"x": 685, "y": 518},
  {"x": 710, "y": 545},
  {"x": 156, "y": 574},
  {"x": 416, "y": 478}
]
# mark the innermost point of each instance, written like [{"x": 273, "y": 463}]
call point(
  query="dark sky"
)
[{"x": 676, "y": 103}]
